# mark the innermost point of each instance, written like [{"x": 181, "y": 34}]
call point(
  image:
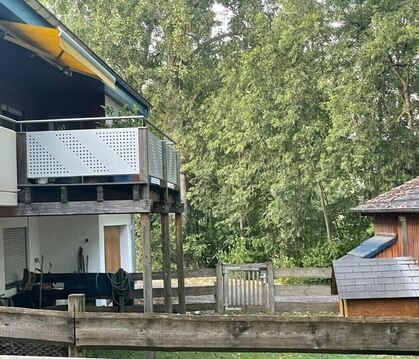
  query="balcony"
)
[{"x": 100, "y": 164}]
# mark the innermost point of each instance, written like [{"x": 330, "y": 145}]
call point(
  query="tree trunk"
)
[{"x": 324, "y": 209}]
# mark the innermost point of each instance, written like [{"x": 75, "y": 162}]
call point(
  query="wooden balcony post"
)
[
  {"x": 147, "y": 263},
  {"x": 179, "y": 262},
  {"x": 167, "y": 274}
]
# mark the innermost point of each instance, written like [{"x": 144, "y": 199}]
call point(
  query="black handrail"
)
[{"x": 88, "y": 119}]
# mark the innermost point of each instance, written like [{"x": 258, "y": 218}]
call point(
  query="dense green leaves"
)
[{"x": 294, "y": 113}]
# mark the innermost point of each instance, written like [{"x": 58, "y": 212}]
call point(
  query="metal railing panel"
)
[
  {"x": 155, "y": 156},
  {"x": 172, "y": 165},
  {"x": 96, "y": 152}
]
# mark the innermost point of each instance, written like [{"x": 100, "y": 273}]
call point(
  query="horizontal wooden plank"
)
[
  {"x": 157, "y": 308},
  {"x": 314, "y": 289},
  {"x": 52, "y": 327},
  {"x": 200, "y": 273},
  {"x": 324, "y": 273},
  {"x": 76, "y": 208},
  {"x": 190, "y": 291},
  {"x": 302, "y": 272},
  {"x": 248, "y": 333}
]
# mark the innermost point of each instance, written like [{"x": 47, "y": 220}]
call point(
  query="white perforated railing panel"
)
[{"x": 76, "y": 153}]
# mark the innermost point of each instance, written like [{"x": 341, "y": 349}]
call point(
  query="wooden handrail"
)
[{"x": 308, "y": 272}]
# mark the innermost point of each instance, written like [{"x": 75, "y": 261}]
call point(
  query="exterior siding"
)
[
  {"x": 413, "y": 236},
  {"x": 389, "y": 224},
  {"x": 398, "y": 307}
]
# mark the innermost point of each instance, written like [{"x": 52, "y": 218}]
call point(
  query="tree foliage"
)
[{"x": 286, "y": 119}]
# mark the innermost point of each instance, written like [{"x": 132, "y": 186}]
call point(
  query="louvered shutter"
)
[{"x": 14, "y": 241}]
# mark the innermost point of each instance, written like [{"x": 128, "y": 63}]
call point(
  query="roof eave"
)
[
  {"x": 377, "y": 210},
  {"x": 42, "y": 11}
]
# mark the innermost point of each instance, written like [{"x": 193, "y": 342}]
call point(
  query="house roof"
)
[
  {"x": 33, "y": 12},
  {"x": 373, "y": 246},
  {"x": 402, "y": 199},
  {"x": 358, "y": 278}
]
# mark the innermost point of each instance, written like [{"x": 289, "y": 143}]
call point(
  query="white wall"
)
[
  {"x": 61, "y": 237},
  {"x": 8, "y": 163},
  {"x": 58, "y": 239},
  {"x": 125, "y": 221},
  {"x": 33, "y": 249}
]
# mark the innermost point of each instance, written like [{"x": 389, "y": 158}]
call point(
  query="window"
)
[{"x": 15, "y": 255}]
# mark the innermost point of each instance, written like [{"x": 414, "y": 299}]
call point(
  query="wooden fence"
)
[
  {"x": 288, "y": 297},
  {"x": 240, "y": 333},
  {"x": 202, "y": 296}
]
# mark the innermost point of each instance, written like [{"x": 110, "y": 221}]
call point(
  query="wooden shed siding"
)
[
  {"x": 386, "y": 307},
  {"x": 413, "y": 236},
  {"x": 389, "y": 224}
]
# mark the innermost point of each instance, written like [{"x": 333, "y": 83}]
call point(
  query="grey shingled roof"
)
[
  {"x": 402, "y": 199},
  {"x": 362, "y": 278}
]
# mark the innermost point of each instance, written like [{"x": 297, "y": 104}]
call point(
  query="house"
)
[
  {"x": 71, "y": 179},
  {"x": 380, "y": 277},
  {"x": 377, "y": 287}
]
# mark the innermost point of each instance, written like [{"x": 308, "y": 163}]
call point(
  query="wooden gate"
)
[{"x": 245, "y": 287}]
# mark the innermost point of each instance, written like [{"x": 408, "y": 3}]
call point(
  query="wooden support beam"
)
[
  {"x": 179, "y": 262},
  {"x": 76, "y": 304},
  {"x": 166, "y": 207},
  {"x": 167, "y": 276},
  {"x": 147, "y": 267},
  {"x": 242, "y": 333},
  {"x": 146, "y": 262},
  {"x": 77, "y": 208}
]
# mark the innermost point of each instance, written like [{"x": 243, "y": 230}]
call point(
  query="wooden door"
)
[{"x": 112, "y": 249}]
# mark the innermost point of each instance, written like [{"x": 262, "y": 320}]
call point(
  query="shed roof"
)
[
  {"x": 402, "y": 199},
  {"x": 359, "y": 278}
]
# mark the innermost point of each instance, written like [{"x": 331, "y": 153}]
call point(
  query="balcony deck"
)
[{"x": 95, "y": 171}]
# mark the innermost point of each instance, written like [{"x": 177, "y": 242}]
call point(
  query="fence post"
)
[
  {"x": 219, "y": 288},
  {"x": 76, "y": 304},
  {"x": 271, "y": 288}
]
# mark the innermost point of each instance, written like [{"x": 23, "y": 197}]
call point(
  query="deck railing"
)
[{"x": 122, "y": 153}]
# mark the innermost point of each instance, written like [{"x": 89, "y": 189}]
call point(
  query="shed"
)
[
  {"x": 396, "y": 213},
  {"x": 376, "y": 287}
]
